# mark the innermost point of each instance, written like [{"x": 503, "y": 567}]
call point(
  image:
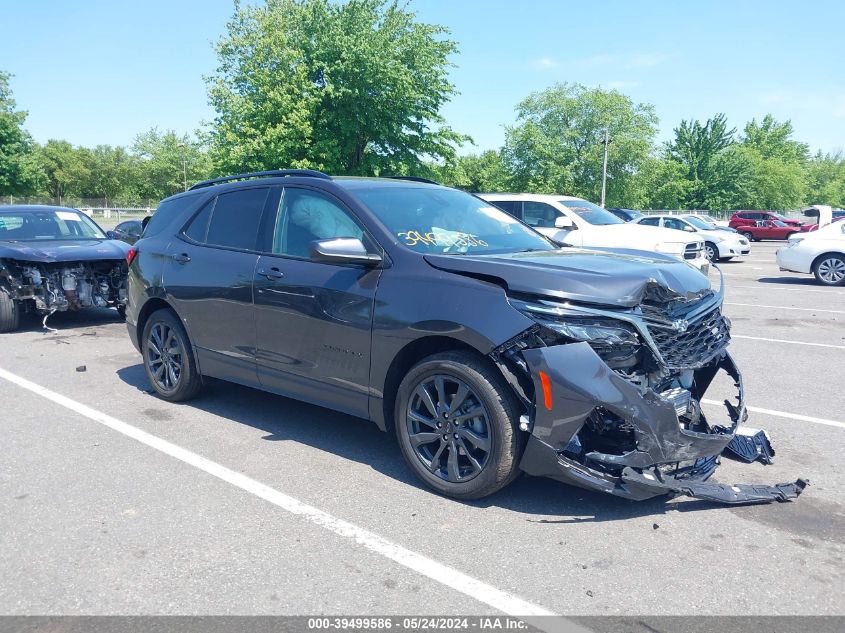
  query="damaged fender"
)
[{"x": 572, "y": 383}]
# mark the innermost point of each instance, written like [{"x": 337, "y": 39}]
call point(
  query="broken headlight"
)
[
  {"x": 615, "y": 341},
  {"x": 588, "y": 330}
]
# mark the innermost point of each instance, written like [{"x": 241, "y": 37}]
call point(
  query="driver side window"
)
[
  {"x": 539, "y": 214},
  {"x": 305, "y": 216},
  {"x": 672, "y": 223}
]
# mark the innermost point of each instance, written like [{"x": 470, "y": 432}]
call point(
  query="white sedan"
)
[
  {"x": 718, "y": 244},
  {"x": 821, "y": 252}
]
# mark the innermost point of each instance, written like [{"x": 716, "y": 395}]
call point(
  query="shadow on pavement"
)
[
  {"x": 70, "y": 320},
  {"x": 791, "y": 281},
  {"x": 285, "y": 419}
]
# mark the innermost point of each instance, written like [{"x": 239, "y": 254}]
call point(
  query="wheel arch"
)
[
  {"x": 818, "y": 257},
  {"x": 410, "y": 355},
  {"x": 151, "y": 305}
]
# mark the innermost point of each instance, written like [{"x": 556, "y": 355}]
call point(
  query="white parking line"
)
[
  {"x": 783, "y": 414},
  {"x": 790, "y": 288},
  {"x": 781, "y": 340},
  {"x": 755, "y": 305},
  {"x": 467, "y": 585}
]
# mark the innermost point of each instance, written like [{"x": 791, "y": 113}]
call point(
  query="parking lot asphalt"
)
[{"x": 98, "y": 521}]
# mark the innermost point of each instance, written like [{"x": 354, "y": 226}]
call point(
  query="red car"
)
[
  {"x": 751, "y": 218},
  {"x": 768, "y": 230}
]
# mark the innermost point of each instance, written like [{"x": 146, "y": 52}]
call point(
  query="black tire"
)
[
  {"x": 10, "y": 317},
  {"x": 829, "y": 269},
  {"x": 748, "y": 235},
  {"x": 168, "y": 383},
  {"x": 480, "y": 473},
  {"x": 711, "y": 251},
  {"x": 121, "y": 311}
]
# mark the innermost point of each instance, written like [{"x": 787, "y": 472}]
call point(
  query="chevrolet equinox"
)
[{"x": 487, "y": 348}]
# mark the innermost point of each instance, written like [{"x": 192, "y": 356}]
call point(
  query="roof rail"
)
[
  {"x": 413, "y": 179},
  {"x": 272, "y": 173}
]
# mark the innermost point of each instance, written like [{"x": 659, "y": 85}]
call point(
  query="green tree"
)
[
  {"x": 826, "y": 179},
  {"x": 717, "y": 172},
  {"x": 110, "y": 173},
  {"x": 66, "y": 169},
  {"x": 353, "y": 88},
  {"x": 475, "y": 172},
  {"x": 773, "y": 139},
  {"x": 19, "y": 172},
  {"x": 557, "y": 145},
  {"x": 166, "y": 163},
  {"x": 778, "y": 165}
]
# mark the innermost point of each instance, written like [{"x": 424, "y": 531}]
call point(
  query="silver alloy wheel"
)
[
  {"x": 448, "y": 427},
  {"x": 164, "y": 356},
  {"x": 711, "y": 252},
  {"x": 831, "y": 270}
]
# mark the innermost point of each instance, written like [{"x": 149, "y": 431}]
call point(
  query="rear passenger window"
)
[
  {"x": 651, "y": 221},
  {"x": 166, "y": 212},
  {"x": 198, "y": 228},
  {"x": 235, "y": 219}
]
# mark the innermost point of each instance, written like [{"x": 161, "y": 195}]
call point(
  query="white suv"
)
[
  {"x": 578, "y": 222},
  {"x": 718, "y": 245}
]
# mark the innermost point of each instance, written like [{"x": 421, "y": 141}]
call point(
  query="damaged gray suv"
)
[{"x": 487, "y": 349}]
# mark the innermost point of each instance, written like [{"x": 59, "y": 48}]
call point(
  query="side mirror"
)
[
  {"x": 563, "y": 222},
  {"x": 689, "y": 229},
  {"x": 111, "y": 235},
  {"x": 343, "y": 250}
]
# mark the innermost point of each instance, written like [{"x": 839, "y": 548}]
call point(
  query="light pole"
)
[
  {"x": 604, "y": 169},
  {"x": 185, "y": 171}
]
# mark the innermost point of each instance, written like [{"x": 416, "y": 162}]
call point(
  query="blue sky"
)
[{"x": 100, "y": 71}]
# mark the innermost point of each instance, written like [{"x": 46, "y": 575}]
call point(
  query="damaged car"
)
[
  {"x": 487, "y": 348},
  {"x": 54, "y": 259}
]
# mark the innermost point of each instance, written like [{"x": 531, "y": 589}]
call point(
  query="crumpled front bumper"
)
[{"x": 579, "y": 383}]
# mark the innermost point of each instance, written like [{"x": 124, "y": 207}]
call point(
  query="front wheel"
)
[
  {"x": 168, "y": 358},
  {"x": 457, "y": 425},
  {"x": 9, "y": 312},
  {"x": 829, "y": 270},
  {"x": 748, "y": 235},
  {"x": 711, "y": 251}
]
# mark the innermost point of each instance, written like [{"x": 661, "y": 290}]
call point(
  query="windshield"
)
[
  {"x": 590, "y": 212},
  {"x": 699, "y": 223},
  {"x": 47, "y": 224},
  {"x": 429, "y": 220}
]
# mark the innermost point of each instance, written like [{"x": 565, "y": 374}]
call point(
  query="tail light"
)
[{"x": 130, "y": 256}]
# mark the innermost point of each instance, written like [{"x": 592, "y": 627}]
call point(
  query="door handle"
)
[
  {"x": 182, "y": 258},
  {"x": 271, "y": 273}
]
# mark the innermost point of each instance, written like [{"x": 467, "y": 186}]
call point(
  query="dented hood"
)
[
  {"x": 617, "y": 278},
  {"x": 47, "y": 251}
]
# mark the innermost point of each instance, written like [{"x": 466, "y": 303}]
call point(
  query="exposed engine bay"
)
[
  {"x": 615, "y": 395},
  {"x": 45, "y": 288}
]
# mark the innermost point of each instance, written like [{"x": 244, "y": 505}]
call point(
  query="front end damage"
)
[
  {"x": 47, "y": 287},
  {"x": 614, "y": 396}
]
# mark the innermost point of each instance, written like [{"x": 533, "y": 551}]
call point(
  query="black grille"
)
[
  {"x": 691, "y": 349},
  {"x": 692, "y": 251}
]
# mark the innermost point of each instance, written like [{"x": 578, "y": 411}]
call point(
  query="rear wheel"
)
[
  {"x": 748, "y": 235},
  {"x": 9, "y": 312},
  {"x": 457, "y": 425},
  {"x": 169, "y": 358},
  {"x": 711, "y": 251},
  {"x": 830, "y": 270}
]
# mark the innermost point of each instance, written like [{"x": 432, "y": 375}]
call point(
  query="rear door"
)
[
  {"x": 209, "y": 280},
  {"x": 313, "y": 320}
]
